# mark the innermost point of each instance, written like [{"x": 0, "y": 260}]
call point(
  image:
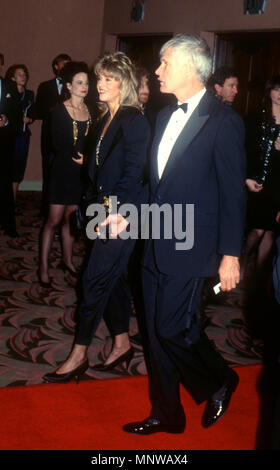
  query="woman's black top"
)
[
  {"x": 68, "y": 178},
  {"x": 263, "y": 165}
]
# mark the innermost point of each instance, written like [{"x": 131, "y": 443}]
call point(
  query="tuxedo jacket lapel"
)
[
  {"x": 194, "y": 125},
  {"x": 4, "y": 92},
  {"x": 56, "y": 95},
  {"x": 5, "y": 96},
  {"x": 161, "y": 125}
]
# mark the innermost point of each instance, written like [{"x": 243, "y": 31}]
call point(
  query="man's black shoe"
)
[
  {"x": 150, "y": 426},
  {"x": 219, "y": 402}
]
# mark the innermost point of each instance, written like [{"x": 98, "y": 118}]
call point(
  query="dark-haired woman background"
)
[
  {"x": 19, "y": 74},
  {"x": 263, "y": 153},
  {"x": 71, "y": 122}
]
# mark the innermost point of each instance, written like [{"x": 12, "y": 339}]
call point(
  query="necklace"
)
[
  {"x": 97, "y": 155},
  {"x": 75, "y": 125}
]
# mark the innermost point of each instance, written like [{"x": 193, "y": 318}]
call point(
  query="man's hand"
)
[
  {"x": 253, "y": 185},
  {"x": 3, "y": 120},
  {"x": 117, "y": 225},
  {"x": 229, "y": 272}
]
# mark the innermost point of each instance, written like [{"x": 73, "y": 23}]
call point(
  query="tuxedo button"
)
[{"x": 100, "y": 188}]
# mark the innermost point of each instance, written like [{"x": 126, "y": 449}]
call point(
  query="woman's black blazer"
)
[{"x": 122, "y": 157}]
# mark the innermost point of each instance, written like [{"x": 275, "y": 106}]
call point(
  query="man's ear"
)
[
  {"x": 188, "y": 70},
  {"x": 218, "y": 89}
]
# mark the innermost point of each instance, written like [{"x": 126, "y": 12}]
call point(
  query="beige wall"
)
[
  {"x": 193, "y": 16},
  {"x": 35, "y": 31}
]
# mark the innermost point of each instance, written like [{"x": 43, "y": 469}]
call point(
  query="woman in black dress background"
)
[
  {"x": 263, "y": 182},
  {"x": 71, "y": 123},
  {"x": 19, "y": 74}
]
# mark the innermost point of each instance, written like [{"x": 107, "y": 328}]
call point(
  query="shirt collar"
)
[{"x": 195, "y": 99}]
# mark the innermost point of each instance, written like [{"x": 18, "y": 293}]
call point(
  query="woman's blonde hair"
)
[{"x": 120, "y": 67}]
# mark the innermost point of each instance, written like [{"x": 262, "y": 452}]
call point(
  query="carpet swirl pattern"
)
[{"x": 37, "y": 324}]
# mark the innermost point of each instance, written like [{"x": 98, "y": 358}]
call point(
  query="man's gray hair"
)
[{"x": 194, "y": 50}]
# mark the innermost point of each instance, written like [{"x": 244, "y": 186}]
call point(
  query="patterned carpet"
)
[{"x": 37, "y": 324}]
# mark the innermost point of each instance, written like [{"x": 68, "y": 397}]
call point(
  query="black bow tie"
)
[
  {"x": 59, "y": 79},
  {"x": 183, "y": 106}
]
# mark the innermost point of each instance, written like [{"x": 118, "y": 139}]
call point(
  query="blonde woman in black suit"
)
[{"x": 116, "y": 168}]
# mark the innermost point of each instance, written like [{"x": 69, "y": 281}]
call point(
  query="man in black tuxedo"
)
[
  {"x": 10, "y": 115},
  {"x": 197, "y": 164},
  {"x": 48, "y": 95}
]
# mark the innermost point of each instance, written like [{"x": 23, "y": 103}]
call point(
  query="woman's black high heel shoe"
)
[
  {"x": 66, "y": 268},
  {"x": 46, "y": 285},
  {"x": 74, "y": 374},
  {"x": 125, "y": 357}
]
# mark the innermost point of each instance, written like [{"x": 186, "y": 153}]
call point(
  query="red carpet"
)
[{"x": 89, "y": 416}]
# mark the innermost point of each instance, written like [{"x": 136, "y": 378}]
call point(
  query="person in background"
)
[
  {"x": 144, "y": 93},
  {"x": 18, "y": 73},
  {"x": 48, "y": 95},
  {"x": 224, "y": 84},
  {"x": 10, "y": 112},
  {"x": 70, "y": 130},
  {"x": 143, "y": 90},
  {"x": 263, "y": 218}
]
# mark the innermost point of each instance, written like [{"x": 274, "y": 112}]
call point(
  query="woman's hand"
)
[
  {"x": 80, "y": 160},
  {"x": 117, "y": 224},
  {"x": 3, "y": 120},
  {"x": 253, "y": 185},
  {"x": 27, "y": 120},
  {"x": 277, "y": 144}
]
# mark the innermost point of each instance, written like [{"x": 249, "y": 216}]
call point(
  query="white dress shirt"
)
[
  {"x": 174, "y": 128},
  {"x": 59, "y": 85}
]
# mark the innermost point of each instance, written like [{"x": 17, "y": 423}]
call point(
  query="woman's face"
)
[
  {"x": 144, "y": 90},
  {"x": 275, "y": 95},
  {"x": 109, "y": 89},
  {"x": 20, "y": 77},
  {"x": 79, "y": 85}
]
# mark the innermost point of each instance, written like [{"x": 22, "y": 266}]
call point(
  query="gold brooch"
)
[{"x": 107, "y": 203}]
